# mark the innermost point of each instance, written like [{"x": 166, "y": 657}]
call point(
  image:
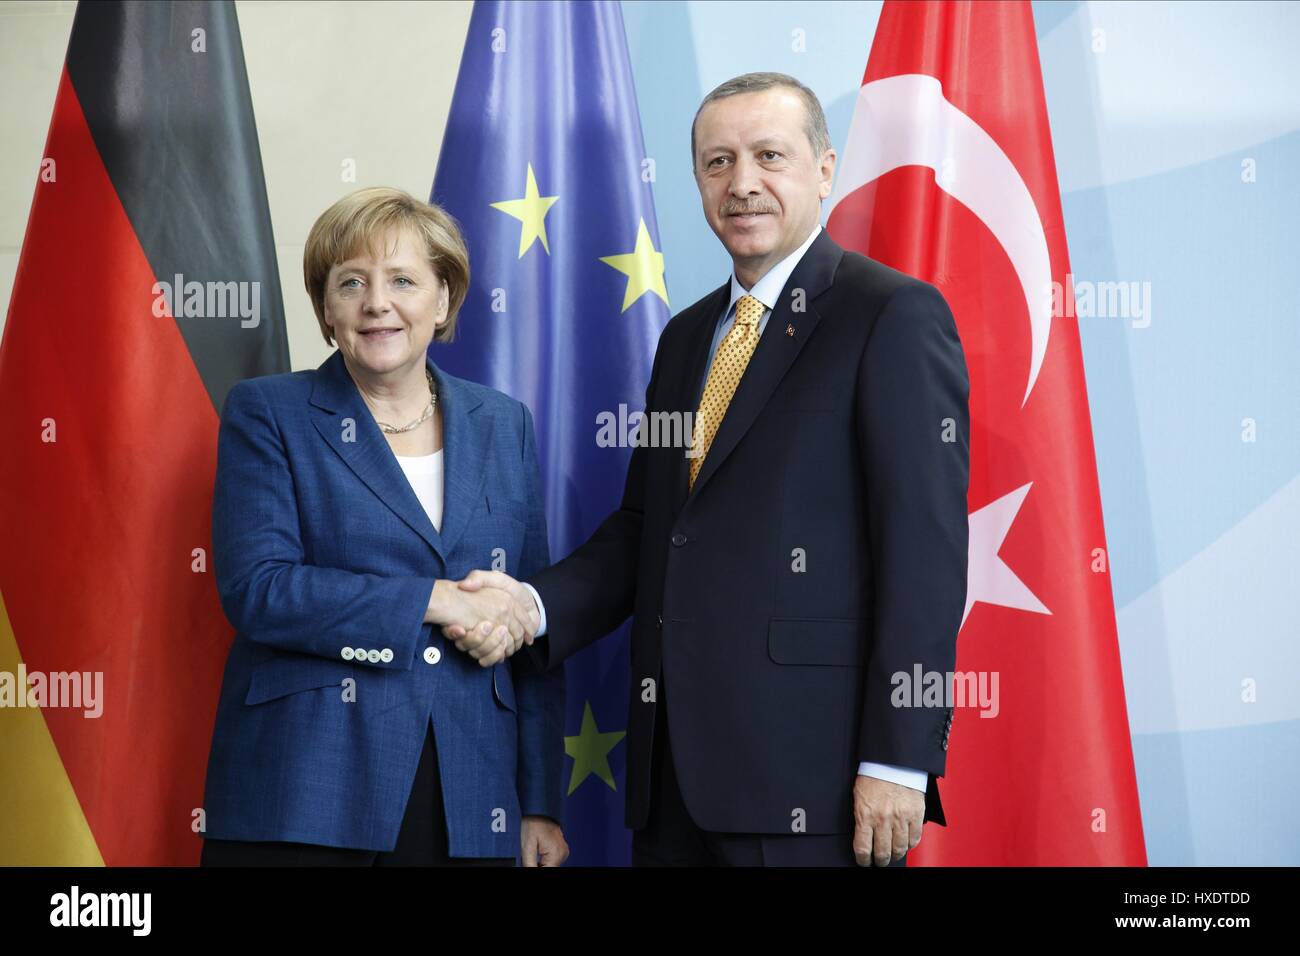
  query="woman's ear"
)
[{"x": 440, "y": 315}]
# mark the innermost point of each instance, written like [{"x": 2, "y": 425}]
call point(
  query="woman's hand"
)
[
  {"x": 543, "y": 842},
  {"x": 489, "y": 628}
]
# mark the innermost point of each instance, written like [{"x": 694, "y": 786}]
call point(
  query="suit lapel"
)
[
  {"x": 782, "y": 340},
  {"x": 366, "y": 452},
  {"x": 466, "y": 437}
]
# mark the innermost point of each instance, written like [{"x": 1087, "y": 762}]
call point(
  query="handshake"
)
[{"x": 489, "y": 615}]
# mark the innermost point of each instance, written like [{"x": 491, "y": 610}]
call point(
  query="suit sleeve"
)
[
  {"x": 593, "y": 590},
  {"x": 539, "y": 693},
  {"x": 914, "y": 436},
  {"x": 268, "y": 591}
]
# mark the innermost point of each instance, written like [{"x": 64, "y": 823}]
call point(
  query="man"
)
[{"x": 806, "y": 552}]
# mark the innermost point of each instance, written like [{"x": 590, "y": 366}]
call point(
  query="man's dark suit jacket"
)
[{"x": 821, "y": 551}]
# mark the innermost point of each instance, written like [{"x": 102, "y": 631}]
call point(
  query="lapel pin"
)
[{"x": 789, "y": 330}]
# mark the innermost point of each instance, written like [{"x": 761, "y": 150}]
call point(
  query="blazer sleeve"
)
[
  {"x": 914, "y": 436},
  {"x": 268, "y": 591},
  {"x": 539, "y": 694}
]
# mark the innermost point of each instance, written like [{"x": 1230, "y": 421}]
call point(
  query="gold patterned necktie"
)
[{"x": 729, "y": 365}]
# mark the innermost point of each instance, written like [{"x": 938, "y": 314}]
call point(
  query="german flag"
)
[{"x": 147, "y": 286}]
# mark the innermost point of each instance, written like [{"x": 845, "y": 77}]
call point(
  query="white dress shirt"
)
[{"x": 767, "y": 290}]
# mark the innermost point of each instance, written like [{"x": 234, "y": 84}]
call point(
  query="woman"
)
[{"x": 349, "y": 500}]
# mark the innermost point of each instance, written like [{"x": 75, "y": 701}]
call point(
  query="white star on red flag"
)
[{"x": 988, "y": 577}]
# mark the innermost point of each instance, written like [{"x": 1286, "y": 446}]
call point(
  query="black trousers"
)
[
  {"x": 422, "y": 840},
  {"x": 671, "y": 838}
]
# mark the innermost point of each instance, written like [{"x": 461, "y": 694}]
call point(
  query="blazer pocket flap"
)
[
  {"x": 810, "y": 641},
  {"x": 503, "y": 688},
  {"x": 281, "y": 676}
]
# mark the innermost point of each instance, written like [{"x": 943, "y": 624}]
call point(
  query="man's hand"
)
[
  {"x": 488, "y": 626},
  {"x": 522, "y": 603},
  {"x": 542, "y": 843},
  {"x": 888, "y": 818}
]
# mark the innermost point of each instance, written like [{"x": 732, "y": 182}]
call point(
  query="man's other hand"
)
[{"x": 887, "y": 820}]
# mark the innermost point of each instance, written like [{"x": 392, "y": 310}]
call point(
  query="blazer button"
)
[
  {"x": 432, "y": 655},
  {"x": 386, "y": 655},
  {"x": 348, "y": 653},
  {"x": 679, "y": 539}
]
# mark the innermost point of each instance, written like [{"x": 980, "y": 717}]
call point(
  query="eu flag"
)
[{"x": 544, "y": 166}]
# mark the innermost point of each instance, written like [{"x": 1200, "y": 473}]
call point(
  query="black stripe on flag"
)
[{"x": 174, "y": 126}]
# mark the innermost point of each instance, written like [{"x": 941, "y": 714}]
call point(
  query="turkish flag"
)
[{"x": 948, "y": 175}]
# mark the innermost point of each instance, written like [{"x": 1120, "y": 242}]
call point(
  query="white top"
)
[{"x": 424, "y": 472}]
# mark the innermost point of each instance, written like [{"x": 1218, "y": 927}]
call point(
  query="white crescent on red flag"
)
[{"x": 948, "y": 175}]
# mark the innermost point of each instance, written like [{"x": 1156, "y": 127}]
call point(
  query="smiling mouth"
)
[{"x": 380, "y": 333}]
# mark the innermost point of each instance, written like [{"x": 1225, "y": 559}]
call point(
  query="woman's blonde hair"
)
[{"x": 357, "y": 223}]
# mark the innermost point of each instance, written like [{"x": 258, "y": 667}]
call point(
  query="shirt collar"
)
[{"x": 768, "y": 289}]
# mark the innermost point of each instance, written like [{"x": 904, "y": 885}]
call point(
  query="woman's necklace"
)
[{"x": 428, "y": 413}]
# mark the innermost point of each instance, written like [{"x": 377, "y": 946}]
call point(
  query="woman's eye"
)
[
  {"x": 403, "y": 279},
  {"x": 345, "y": 283}
]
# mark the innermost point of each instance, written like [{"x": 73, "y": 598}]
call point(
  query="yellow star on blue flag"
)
[
  {"x": 531, "y": 212},
  {"x": 590, "y": 751},
  {"x": 643, "y": 266}
]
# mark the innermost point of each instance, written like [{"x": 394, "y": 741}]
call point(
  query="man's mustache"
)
[{"x": 736, "y": 209}]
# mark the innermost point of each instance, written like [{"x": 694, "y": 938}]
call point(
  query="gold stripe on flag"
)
[{"x": 41, "y": 823}]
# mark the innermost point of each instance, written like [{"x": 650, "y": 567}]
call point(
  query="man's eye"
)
[
  {"x": 717, "y": 159},
  {"x": 773, "y": 154}
]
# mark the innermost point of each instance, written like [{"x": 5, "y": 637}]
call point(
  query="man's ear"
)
[{"x": 827, "y": 170}]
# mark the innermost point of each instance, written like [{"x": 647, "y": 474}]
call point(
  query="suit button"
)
[
  {"x": 659, "y": 622},
  {"x": 347, "y": 653},
  {"x": 679, "y": 539},
  {"x": 386, "y": 655},
  {"x": 372, "y": 656},
  {"x": 432, "y": 655}
]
